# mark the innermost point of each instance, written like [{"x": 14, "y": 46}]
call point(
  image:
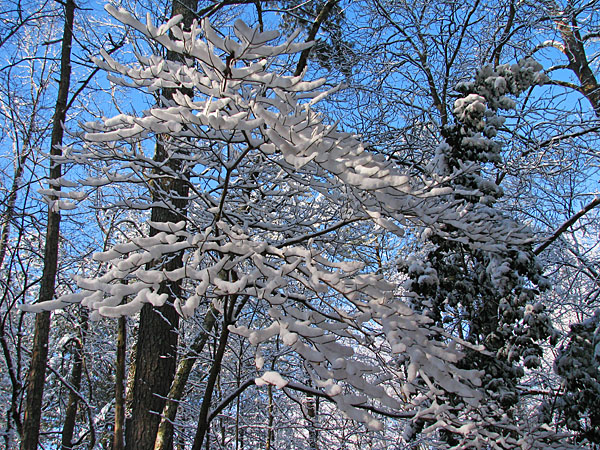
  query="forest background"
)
[{"x": 408, "y": 262}]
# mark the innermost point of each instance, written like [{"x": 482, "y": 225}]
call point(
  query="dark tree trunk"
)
[
  {"x": 39, "y": 354},
  {"x": 155, "y": 367},
  {"x": 13, "y": 367},
  {"x": 120, "y": 385},
  {"x": 156, "y": 352},
  {"x": 312, "y": 413},
  {"x": 574, "y": 50},
  {"x": 270, "y": 419},
  {"x": 184, "y": 368},
  {"x": 312, "y": 34},
  {"x": 76, "y": 372}
]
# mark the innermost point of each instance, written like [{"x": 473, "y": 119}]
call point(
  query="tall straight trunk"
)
[
  {"x": 312, "y": 413},
  {"x": 184, "y": 368},
  {"x": 76, "y": 372},
  {"x": 13, "y": 367},
  {"x": 270, "y": 419},
  {"x": 156, "y": 352},
  {"x": 120, "y": 385},
  {"x": 39, "y": 355},
  {"x": 11, "y": 201},
  {"x": 155, "y": 367}
]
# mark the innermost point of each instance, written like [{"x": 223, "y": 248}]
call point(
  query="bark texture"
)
[
  {"x": 574, "y": 50},
  {"x": 156, "y": 352},
  {"x": 39, "y": 356},
  {"x": 184, "y": 368},
  {"x": 75, "y": 381},
  {"x": 118, "y": 441}
]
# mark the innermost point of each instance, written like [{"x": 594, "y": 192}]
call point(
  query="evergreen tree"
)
[
  {"x": 485, "y": 294},
  {"x": 578, "y": 364}
]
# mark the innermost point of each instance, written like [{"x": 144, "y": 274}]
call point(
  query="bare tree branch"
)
[
  {"x": 565, "y": 226},
  {"x": 313, "y": 33}
]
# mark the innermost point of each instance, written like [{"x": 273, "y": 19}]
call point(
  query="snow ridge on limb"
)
[
  {"x": 278, "y": 198},
  {"x": 270, "y": 113}
]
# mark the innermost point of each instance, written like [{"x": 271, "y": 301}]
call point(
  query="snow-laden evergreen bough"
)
[
  {"x": 278, "y": 200},
  {"x": 487, "y": 298},
  {"x": 578, "y": 364}
]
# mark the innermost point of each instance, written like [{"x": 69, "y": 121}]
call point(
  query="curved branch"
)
[
  {"x": 565, "y": 84},
  {"x": 506, "y": 34},
  {"x": 565, "y": 226},
  {"x": 550, "y": 43},
  {"x": 557, "y": 67},
  {"x": 231, "y": 397},
  {"x": 562, "y": 137},
  {"x": 590, "y": 36}
]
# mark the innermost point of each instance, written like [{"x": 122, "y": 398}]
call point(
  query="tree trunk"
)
[
  {"x": 13, "y": 414},
  {"x": 158, "y": 331},
  {"x": 71, "y": 414},
  {"x": 155, "y": 366},
  {"x": 165, "y": 428},
  {"x": 120, "y": 385},
  {"x": 578, "y": 60},
  {"x": 574, "y": 49},
  {"x": 39, "y": 355},
  {"x": 270, "y": 405},
  {"x": 325, "y": 10},
  {"x": 14, "y": 372},
  {"x": 312, "y": 413},
  {"x": 270, "y": 419}
]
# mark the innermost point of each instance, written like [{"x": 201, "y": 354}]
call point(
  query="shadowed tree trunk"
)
[
  {"x": 312, "y": 410},
  {"x": 270, "y": 418},
  {"x": 155, "y": 366},
  {"x": 39, "y": 355},
  {"x": 184, "y": 368},
  {"x": 76, "y": 372},
  {"x": 120, "y": 386},
  {"x": 574, "y": 50},
  {"x": 158, "y": 331},
  {"x": 312, "y": 34}
]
